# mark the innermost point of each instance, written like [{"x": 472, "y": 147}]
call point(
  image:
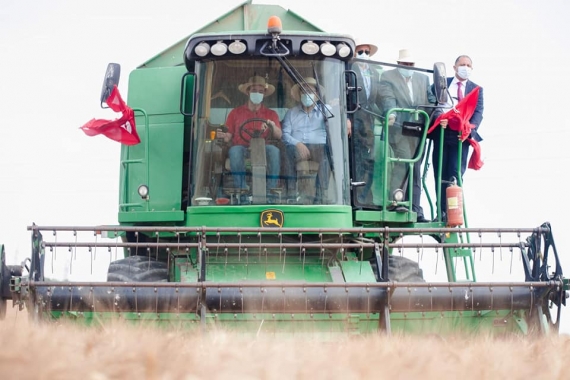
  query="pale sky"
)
[{"x": 54, "y": 55}]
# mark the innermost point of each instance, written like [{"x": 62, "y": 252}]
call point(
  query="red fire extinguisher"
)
[{"x": 454, "y": 195}]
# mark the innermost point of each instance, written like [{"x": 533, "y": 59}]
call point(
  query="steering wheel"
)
[{"x": 247, "y": 134}]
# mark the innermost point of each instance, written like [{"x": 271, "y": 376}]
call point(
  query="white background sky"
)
[{"x": 53, "y": 55}]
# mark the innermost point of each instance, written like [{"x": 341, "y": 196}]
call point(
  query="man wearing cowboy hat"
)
[
  {"x": 305, "y": 135},
  {"x": 405, "y": 88},
  {"x": 256, "y": 88},
  {"x": 363, "y": 122}
]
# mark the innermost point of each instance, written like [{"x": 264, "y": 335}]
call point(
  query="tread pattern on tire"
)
[
  {"x": 138, "y": 269},
  {"x": 402, "y": 269}
]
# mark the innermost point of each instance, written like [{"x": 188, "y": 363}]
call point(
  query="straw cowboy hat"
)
[
  {"x": 359, "y": 44},
  {"x": 406, "y": 56},
  {"x": 269, "y": 88},
  {"x": 296, "y": 89}
]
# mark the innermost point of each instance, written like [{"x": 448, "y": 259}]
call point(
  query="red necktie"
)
[{"x": 459, "y": 92}]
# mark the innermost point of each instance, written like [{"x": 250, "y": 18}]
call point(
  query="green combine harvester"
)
[{"x": 314, "y": 249}]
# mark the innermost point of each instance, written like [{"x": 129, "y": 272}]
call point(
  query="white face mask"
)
[
  {"x": 405, "y": 72},
  {"x": 256, "y": 97},
  {"x": 464, "y": 71},
  {"x": 307, "y": 99}
]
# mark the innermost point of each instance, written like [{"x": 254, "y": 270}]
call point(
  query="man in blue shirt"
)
[{"x": 305, "y": 137}]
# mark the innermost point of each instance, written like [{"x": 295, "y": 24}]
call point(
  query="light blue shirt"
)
[{"x": 307, "y": 128}]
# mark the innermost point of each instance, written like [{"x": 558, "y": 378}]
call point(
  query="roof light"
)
[
  {"x": 237, "y": 47},
  {"x": 310, "y": 48},
  {"x": 220, "y": 48},
  {"x": 202, "y": 49},
  {"x": 328, "y": 49},
  {"x": 274, "y": 25},
  {"x": 343, "y": 50}
]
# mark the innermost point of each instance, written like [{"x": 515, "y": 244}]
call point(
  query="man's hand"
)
[
  {"x": 443, "y": 123},
  {"x": 226, "y": 136},
  {"x": 276, "y": 132},
  {"x": 349, "y": 127},
  {"x": 391, "y": 120},
  {"x": 303, "y": 151}
]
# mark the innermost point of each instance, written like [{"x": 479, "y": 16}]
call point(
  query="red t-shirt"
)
[{"x": 240, "y": 114}]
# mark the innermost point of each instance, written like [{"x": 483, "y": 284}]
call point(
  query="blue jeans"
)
[{"x": 238, "y": 154}]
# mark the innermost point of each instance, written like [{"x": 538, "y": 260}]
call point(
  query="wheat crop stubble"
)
[{"x": 120, "y": 351}]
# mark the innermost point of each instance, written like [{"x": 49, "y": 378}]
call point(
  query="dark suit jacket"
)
[
  {"x": 371, "y": 102},
  {"x": 395, "y": 94},
  {"x": 477, "y": 117}
]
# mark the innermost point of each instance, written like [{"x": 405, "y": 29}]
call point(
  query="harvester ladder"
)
[
  {"x": 452, "y": 255},
  {"x": 126, "y": 162}
]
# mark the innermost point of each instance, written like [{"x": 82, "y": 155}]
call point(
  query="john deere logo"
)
[{"x": 272, "y": 218}]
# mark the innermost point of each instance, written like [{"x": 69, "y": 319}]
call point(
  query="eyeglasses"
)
[{"x": 367, "y": 52}]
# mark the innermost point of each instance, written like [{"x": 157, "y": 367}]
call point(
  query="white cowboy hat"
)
[
  {"x": 269, "y": 88},
  {"x": 406, "y": 56},
  {"x": 359, "y": 43},
  {"x": 296, "y": 89}
]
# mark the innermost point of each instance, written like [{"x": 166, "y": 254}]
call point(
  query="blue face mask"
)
[
  {"x": 307, "y": 99},
  {"x": 405, "y": 72},
  {"x": 256, "y": 97}
]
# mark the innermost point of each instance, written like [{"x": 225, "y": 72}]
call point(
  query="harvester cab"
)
[{"x": 267, "y": 195}]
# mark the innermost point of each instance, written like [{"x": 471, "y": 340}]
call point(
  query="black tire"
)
[
  {"x": 402, "y": 269},
  {"x": 138, "y": 269}
]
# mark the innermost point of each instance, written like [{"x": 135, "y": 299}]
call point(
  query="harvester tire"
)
[
  {"x": 138, "y": 269},
  {"x": 402, "y": 269}
]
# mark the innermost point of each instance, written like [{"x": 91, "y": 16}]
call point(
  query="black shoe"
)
[
  {"x": 422, "y": 219},
  {"x": 398, "y": 208},
  {"x": 443, "y": 219}
]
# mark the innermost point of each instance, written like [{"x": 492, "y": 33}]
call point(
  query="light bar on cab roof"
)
[
  {"x": 343, "y": 50},
  {"x": 219, "y": 48},
  {"x": 237, "y": 47},
  {"x": 202, "y": 49},
  {"x": 310, "y": 48},
  {"x": 328, "y": 49}
]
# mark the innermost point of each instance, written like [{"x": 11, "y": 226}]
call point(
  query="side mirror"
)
[
  {"x": 188, "y": 94},
  {"x": 440, "y": 82},
  {"x": 112, "y": 76}
]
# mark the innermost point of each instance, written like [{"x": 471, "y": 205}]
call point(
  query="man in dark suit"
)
[
  {"x": 405, "y": 88},
  {"x": 458, "y": 86},
  {"x": 363, "y": 120}
]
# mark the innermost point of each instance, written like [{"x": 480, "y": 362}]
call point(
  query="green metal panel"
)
[
  {"x": 244, "y": 17},
  {"x": 250, "y": 216},
  {"x": 134, "y": 216},
  {"x": 357, "y": 271},
  {"x": 157, "y": 92},
  {"x": 254, "y": 268}
]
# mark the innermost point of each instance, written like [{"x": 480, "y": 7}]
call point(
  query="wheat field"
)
[{"x": 119, "y": 351}]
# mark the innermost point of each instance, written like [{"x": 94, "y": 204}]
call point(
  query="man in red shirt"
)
[{"x": 251, "y": 120}]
